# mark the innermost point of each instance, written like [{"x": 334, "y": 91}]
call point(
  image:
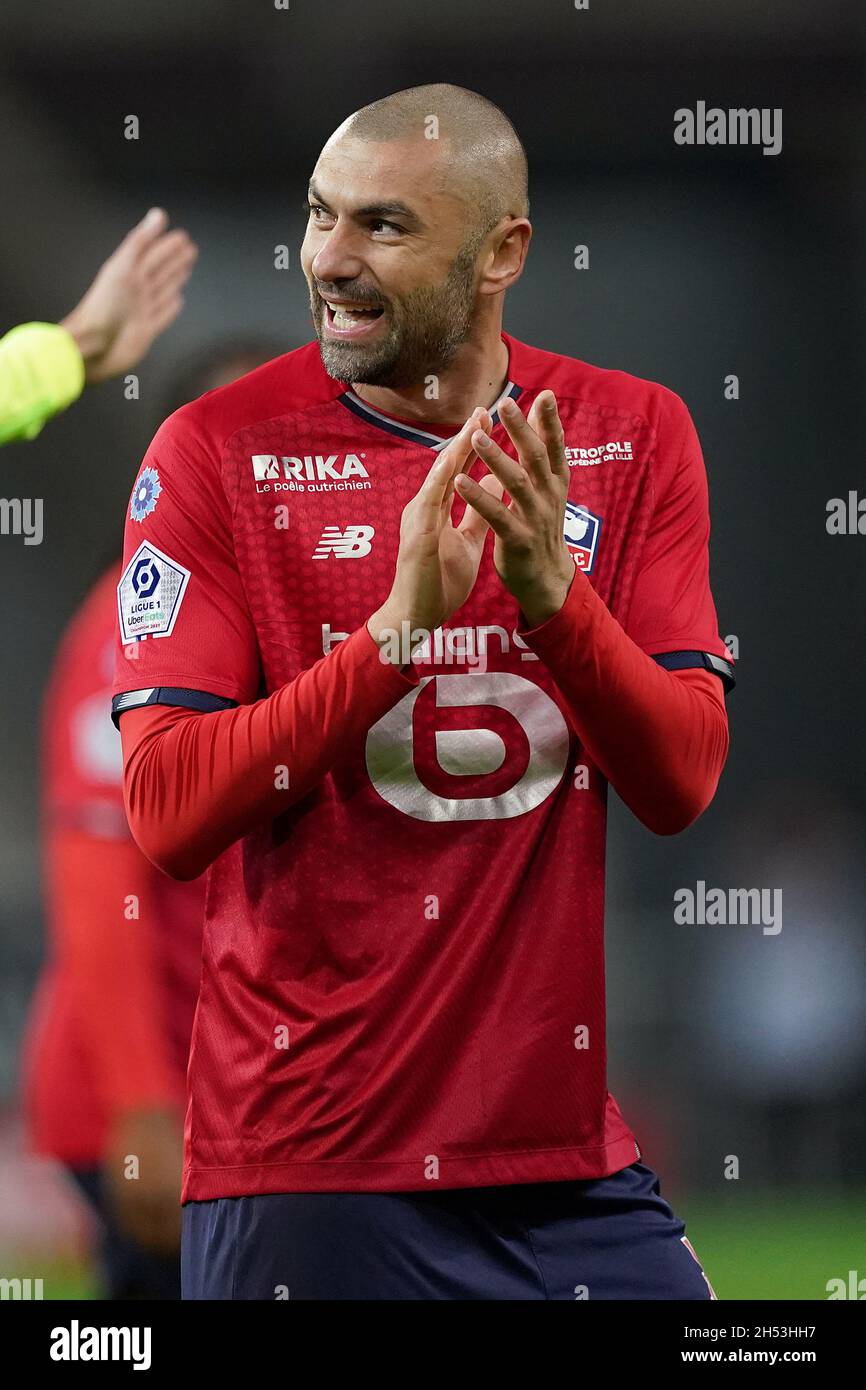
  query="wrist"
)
[
  {"x": 540, "y": 602},
  {"x": 91, "y": 340},
  {"x": 395, "y": 634}
]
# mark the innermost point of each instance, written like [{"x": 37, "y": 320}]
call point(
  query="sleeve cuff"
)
[
  {"x": 53, "y": 369},
  {"x": 386, "y": 674}
]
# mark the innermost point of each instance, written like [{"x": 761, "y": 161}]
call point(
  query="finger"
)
[
  {"x": 500, "y": 518},
  {"x": 173, "y": 274},
  {"x": 544, "y": 419},
  {"x": 453, "y": 457},
  {"x": 151, "y": 226},
  {"x": 155, "y": 295},
  {"x": 530, "y": 448},
  {"x": 484, "y": 421},
  {"x": 510, "y": 473},
  {"x": 473, "y": 525},
  {"x": 162, "y": 259},
  {"x": 164, "y": 314}
]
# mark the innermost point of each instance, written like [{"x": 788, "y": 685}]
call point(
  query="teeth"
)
[{"x": 343, "y": 317}]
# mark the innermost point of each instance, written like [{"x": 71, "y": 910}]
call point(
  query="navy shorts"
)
[{"x": 610, "y": 1238}]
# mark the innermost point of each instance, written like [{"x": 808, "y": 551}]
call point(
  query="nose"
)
[{"x": 337, "y": 258}]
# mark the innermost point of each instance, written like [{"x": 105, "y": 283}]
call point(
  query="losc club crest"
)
[{"x": 582, "y": 530}]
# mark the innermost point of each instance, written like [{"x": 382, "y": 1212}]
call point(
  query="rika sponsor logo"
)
[
  {"x": 309, "y": 472},
  {"x": 599, "y": 453}
]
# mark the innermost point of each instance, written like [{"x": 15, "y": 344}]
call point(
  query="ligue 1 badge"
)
[
  {"x": 582, "y": 530},
  {"x": 145, "y": 494},
  {"x": 150, "y": 593}
]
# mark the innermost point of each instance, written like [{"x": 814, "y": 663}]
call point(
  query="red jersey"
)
[
  {"x": 403, "y": 977},
  {"x": 112, "y": 1017}
]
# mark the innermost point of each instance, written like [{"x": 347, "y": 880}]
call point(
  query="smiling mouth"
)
[{"x": 350, "y": 320}]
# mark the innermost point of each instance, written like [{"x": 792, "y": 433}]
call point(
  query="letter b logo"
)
[{"x": 470, "y": 752}]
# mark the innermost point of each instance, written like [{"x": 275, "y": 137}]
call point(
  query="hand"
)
[
  {"x": 135, "y": 296},
  {"x": 437, "y": 563},
  {"x": 529, "y": 552},
  {"x": 147, "y": 1207}
]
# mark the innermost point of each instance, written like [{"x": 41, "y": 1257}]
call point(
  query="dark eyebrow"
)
[{"x": 385, "y": 210}]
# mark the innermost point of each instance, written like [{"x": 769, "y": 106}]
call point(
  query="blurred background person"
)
[
  {"x": 136, "y": 295},
  {"x": 108, "y": 1038}
]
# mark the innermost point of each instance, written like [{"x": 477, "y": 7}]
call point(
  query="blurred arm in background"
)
[{"x": 135, "y": 296}]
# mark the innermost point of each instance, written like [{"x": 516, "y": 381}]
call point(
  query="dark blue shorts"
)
[{"x": 611, "y": 1238}]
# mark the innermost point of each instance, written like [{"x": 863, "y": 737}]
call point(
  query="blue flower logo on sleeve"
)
[{"x": 145, "y": 494}]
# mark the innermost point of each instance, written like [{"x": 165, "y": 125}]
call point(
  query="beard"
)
[{"x": 425, "y": 329}]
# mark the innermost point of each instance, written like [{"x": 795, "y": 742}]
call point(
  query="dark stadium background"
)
[{"x": 703, "y": 262}]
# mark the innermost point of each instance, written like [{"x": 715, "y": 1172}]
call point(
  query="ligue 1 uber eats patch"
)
[
  {"x": 150, "y": 593},
  {"x": 582, "y": 529}
]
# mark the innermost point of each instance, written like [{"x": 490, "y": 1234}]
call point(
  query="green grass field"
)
[{"x": 758, "y": 1249}]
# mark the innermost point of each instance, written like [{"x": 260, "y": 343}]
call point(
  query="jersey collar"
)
[{"x": 431, "y": 439}]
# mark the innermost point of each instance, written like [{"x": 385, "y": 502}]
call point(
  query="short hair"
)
[{"x": 487, "y": 158}]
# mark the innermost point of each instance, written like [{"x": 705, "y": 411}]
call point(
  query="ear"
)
[{"x": 505, "y": 257}]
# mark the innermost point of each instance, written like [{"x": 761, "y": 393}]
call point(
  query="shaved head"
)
[{"x": 485, "y": 163}]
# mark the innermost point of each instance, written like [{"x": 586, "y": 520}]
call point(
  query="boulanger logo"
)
[
  {"x": 599, "y": 453},
  {"x": 391, "y": 754},
  {"x": 444, "y": 646},
  {"x": 309, "y": 472}
]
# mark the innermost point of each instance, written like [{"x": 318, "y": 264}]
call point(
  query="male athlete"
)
[{"x": 389, "y": 737}]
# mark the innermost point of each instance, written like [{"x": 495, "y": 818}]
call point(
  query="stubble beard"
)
[{"x": 425, "y": 331}]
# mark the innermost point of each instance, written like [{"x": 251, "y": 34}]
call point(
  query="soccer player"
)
[
  {"x": 108, "y": 1037},
  {"x": 135, "y": 296},
  {"x": 386, "y": 722}
]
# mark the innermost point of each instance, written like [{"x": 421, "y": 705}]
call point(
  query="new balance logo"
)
[{"x": 344, "y": 545}]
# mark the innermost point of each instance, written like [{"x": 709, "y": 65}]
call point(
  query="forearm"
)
[
  {"x": 660, "y": 738},
  {"x": 196, "y": 783}
]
